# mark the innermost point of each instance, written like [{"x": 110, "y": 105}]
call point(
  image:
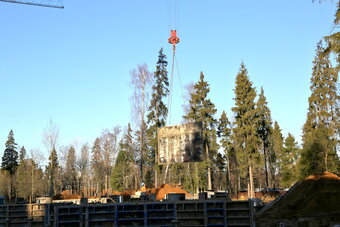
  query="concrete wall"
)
[{"x": 180, "y": 143}]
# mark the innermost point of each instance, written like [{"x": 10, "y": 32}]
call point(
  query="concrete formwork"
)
[{"x": 168, "y": 213}]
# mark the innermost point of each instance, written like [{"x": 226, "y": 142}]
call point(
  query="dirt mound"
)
[
  {"x": 128, "y": 192},
  {"x": 165, "y": 189},
  {"x": 316, "y": 196},
  {"x": 324, "y": 175},
  {"x": 66, "y": 195},
  {"x": 160, "y": 192}
]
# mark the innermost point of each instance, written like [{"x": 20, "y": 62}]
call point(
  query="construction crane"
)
[{"x": 44, "y": 3}]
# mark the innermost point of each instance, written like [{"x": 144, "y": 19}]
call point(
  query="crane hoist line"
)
[
  {"x": 173, "y": 40},
  {"x": 47, "y": 3}
]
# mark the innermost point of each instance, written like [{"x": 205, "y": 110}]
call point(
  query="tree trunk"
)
[
  {"x": 265, "y": 165},
  {"x": 209, "y": 169},
  {"x": 51, "y": 184},
  {"x": 105, "y": 183},
  {"x": 326, "y": 161},
  {"x": 248, "y": 190},
  {"x": 251, "y": 182},
  {"x": 229, "y": 186},
  {"x": 196, "y": 177},
  {"x": 10, "y": 188},
  {"x": 238, "y": 183},
  {"x": 32, "y": 183},
  {"x": 141, "y": 149},
  {"x": 156, "y": 175}
]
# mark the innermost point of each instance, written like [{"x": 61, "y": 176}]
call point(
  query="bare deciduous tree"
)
[
  {"x": 83, "y": 164},
  {"x": 37, "y": 183},
  {"x": 141, "y": 82},
  {"x": 109, "y": 140},
  {"x": 189, "y": 89},
  {"x": 50, "y": 136}
]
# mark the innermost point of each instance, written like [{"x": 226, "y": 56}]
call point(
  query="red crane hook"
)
[{"x": 173, "y": 38}]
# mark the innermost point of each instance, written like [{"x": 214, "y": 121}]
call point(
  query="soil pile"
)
[
  {"x": 316, "y": 196},
  {"x": 66, "y": 195},
  {"x": 165, "y": 189},
  {"x": 160, "y": 192}
]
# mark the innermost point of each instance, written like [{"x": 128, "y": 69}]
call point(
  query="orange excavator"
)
[{"x": 143, "y": 188}]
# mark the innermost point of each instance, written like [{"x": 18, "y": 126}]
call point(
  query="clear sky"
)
[{"x": 72, "y": 65}]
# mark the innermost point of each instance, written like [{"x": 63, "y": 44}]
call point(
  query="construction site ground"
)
[{"x": 314, "y": 201}]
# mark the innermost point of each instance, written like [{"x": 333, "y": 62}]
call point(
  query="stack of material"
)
[{"x": 316, "y": 199}]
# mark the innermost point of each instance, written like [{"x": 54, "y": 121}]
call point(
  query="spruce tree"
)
[
  {"x": 311, "y": 161},
  {"x": 122, "y": 171},
  {"x": 97, "y": 166},
  {"x": 158, "y": 111},
  {"x": 224, "y": 132},
  {"x": 322, "y": 124},
  {"x": 70, "y": 169},
  {"x": 245, "y": 130},
  {"x": 264, "y": 128},
  {"x": 333, "y": 40},
  {"x": 10, "y": 156},
  {"x": 52, "y": 171},
  {"x": 203, "y": 110},
  {"x": 276, "y": 147},
  {"x": 288, "y": 162},
  {"x": 22, "y": 154}
]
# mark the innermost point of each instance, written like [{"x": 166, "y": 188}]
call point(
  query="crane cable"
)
[
  {"x": 171, "y": 85},
  {"x": 173, "y": 40}
]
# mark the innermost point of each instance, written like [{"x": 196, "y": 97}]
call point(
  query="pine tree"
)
[
  {"x": 276, "y": 147},
  {"x": 287, "y": 160},
  {"x": 245, "y": 130},
  {"x": 52, "y": 171},
  {"x": 158, "y": 111},
  {"x": 203, "y": 110},
  {"x": 10, "y": 157},
  {"x": 264, "y": 128},
  {"x": 322, "y": 122}
]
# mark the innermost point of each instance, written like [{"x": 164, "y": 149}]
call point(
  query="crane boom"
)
[{"x": 36, "y": 3}]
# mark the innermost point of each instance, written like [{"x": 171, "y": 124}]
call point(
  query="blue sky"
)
[{"x": 72, "y": 65}]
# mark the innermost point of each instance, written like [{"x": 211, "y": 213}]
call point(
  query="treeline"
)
[{"x": 244, "y": 151}]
